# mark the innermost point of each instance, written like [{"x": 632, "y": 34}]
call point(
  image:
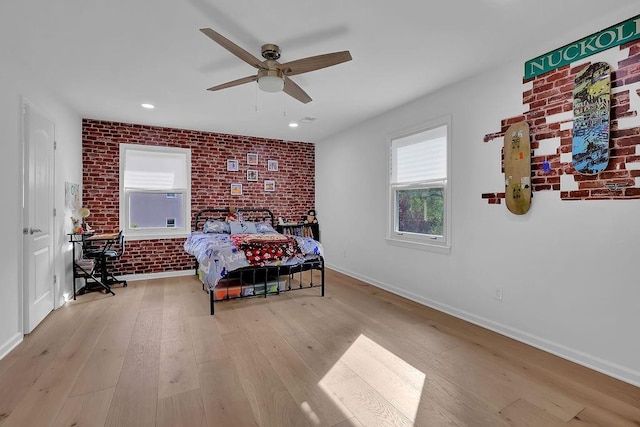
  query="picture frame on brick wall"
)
[
  {"x": 272, "y": 165},
  {"x": 236, "y": 189},
  {"x": 233, "y": 165},
  {"x": 270, "y": 186},
  {"x": 252, "y": 175},
  {"x": 252, "y": 158}
]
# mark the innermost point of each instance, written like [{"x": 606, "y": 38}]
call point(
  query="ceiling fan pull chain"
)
[
  {"x": 256, "y": 98},
  {"x": 284, "y": 106}
]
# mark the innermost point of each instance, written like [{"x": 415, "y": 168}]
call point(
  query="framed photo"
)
[
  {"x": 269, "y": 186},
  {"x": 236, "y": 189},
  {"x": 272, "y": 165},
  {"x": 232, "y": 165},
  {"x": 252, "y": 175},
  {"x": 252, "y": 158}
]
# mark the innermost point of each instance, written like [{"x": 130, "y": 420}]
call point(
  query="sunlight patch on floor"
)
[{"x": 374, "y": 384}]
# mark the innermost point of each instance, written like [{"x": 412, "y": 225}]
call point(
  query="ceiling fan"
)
[{"x": 273, "y": 76}]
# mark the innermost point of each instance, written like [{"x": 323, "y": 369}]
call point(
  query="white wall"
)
[
  {"x": 568, "y": 268},
  {"x": 16, "y": 83}
]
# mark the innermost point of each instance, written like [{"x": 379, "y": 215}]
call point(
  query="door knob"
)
[{"x": 34, "y": 230}]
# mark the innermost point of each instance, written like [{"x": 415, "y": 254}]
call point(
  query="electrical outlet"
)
[{"x": 498, "y": 294}]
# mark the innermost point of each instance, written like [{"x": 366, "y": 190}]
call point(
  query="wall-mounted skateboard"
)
[
  {"x": 591, "y": 110},
  {"x": 517, "y": 168}
]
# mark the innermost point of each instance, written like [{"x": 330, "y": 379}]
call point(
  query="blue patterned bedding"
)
[{"x": 217, "y": 255}]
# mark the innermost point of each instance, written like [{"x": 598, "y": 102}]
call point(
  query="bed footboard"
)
[{"x": 254, "y": 282}]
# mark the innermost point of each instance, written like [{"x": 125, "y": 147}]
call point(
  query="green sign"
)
[{"x": 613, "y": 36}]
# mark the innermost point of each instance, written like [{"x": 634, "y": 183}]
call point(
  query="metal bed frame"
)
[{"x": 259, "y": 279}]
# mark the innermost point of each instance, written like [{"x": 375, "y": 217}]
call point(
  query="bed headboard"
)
[{"x": 248, "y": 214}]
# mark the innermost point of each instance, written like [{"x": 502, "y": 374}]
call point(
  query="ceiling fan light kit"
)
[
  {"x": 273, "y": 76},
  {"x": 270, "y": 80}
]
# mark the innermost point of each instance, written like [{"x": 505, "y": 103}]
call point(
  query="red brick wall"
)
[
  {"x": 552, "y": 93},
  {"x": 210, "y": 181}
]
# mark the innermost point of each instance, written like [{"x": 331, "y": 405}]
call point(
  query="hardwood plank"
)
[
  {"x": 544, "y": 397},
  {"x": 207, "y": 340},
  {"x": 523, "y": 413},
  {"x": 351, "y": 422},
  {"x": 301, "y": 382},
  {"x": 136, "y": 395},
  {"x": 45, "y": 398},
  {"x": 22, "y": 367},
  {"x": 595, "y": 416},
  {"x": 105, "y": 363},
  {"x": 183, "y": 409},
  {"x": 269, "y": 399},
  {"x": 369, "y": 407},
  {"x": 224, "y": 400},
  {"x": 88, "y": 409},
  {"x": 178, "y": 372}
]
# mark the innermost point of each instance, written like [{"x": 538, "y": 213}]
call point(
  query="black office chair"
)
[
  {"x": 105, "y": 254},
  {"x": 113, "y": 255}
]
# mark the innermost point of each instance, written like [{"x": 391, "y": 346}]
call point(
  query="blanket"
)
[{"x": 266, "y": 248}]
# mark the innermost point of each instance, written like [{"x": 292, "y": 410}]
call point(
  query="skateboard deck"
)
[
  {"x": 591, "y": 110},
  {"x": 517, "y": 168}
]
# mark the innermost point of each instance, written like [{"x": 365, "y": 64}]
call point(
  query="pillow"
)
[
  {"x": 215, "y": 226},
  {"x": 264, "y": 227},
  {"x": 242, "y": 228}
]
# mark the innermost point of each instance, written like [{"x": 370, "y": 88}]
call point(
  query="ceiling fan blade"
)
[
  {"x": 313, "y": 63},
  {"x": 233, "y": 48},
  {"x": 238, "y": 82},
  {"x": 292, "y": 89}
]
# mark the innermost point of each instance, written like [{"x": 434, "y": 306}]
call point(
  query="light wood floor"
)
[{"x": 152, "y": 356}]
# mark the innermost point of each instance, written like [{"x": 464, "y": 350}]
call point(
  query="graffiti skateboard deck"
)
[
  {"x": 517, "y": 168},
  {"x": 591, "y": 110}
]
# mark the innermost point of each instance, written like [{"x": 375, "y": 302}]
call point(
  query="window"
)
[
  {"x": 155, "y": 191},
  {"x": 419, "y": 189}
]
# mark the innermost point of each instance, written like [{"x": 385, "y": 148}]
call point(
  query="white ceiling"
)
[{"x": 104, "y": 58}]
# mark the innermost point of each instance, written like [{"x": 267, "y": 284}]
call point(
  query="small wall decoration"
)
[
  {"x": 232, "y": 165},
  {"x": 270, "y": 186},
  {"x": 252, "y": 158},
  {"x": 252, "y": 175},
  {"x": 72, "y": 197},
  {"x": 236, "y": 189},
  {"x": 272, "y": 165}
]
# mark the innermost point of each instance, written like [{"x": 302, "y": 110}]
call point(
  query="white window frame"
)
[
  {"x": 152, "y": 233},
  {"x": 440, "y": 244}
]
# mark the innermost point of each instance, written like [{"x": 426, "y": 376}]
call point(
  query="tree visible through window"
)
[{"x": 421, "y": 211}]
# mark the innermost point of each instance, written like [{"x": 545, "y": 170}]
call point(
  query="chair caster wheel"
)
[{"x": 125, "y": 285}]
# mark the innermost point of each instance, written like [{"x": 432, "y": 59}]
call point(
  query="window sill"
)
[
  {"x": 423, "y": 246},
  {"x": 158, "y": 236}
]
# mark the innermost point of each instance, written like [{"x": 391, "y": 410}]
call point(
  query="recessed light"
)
[
  {"x": 148, "y": 106},
  {"x": 293, "y": 125}
]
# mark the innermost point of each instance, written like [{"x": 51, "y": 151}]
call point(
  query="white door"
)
[{"x": 38, "y": 217}]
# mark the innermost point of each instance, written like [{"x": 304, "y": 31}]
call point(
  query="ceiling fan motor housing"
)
[{"x": 270, "y": 51}]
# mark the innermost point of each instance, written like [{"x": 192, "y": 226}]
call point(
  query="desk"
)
[{"x": 87, "y": 269}]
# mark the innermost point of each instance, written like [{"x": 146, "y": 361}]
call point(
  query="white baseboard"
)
[
  {"x": 160, "y": 275},
  {"x": 592, "y": 362},
  {"x": 10, "y": 344}
]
